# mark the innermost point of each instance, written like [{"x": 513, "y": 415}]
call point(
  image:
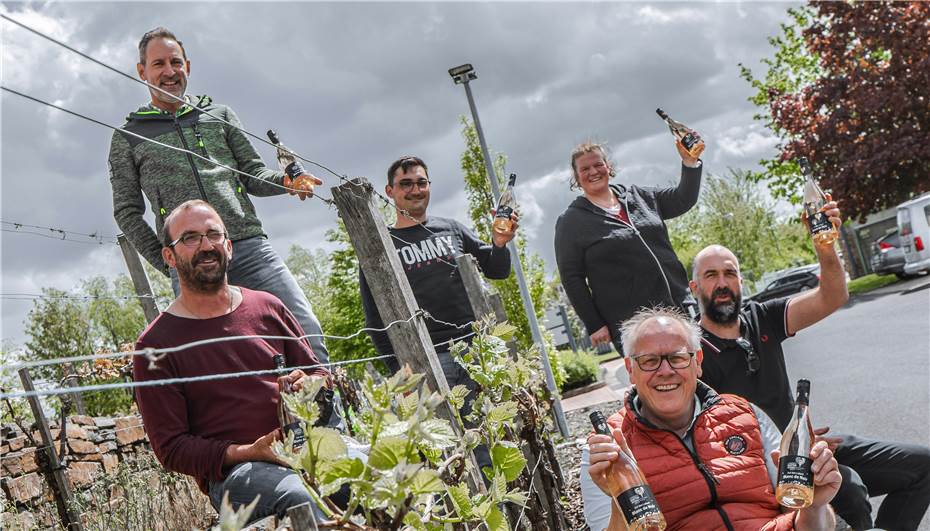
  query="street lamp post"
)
[{"x": 462, "y": 75}]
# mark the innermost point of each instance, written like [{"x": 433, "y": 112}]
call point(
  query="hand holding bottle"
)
[
  {"x": 606, "y": 468},
  {"x": 501, "y": 236},
  {"x": 826, "y": 471},
  {"x": 687, "y": 158},
  {"x": 831, "y": 209},
  {"x": 832, "y": 442},
  {"x": 302, "y": 185}
]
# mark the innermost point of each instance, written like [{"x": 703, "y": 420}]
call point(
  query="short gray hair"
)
[{"x": 631, "y": 331}]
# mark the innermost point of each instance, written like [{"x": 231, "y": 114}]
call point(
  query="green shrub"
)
[{"x": 581, "y": 368}]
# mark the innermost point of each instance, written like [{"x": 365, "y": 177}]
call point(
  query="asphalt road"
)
[{"x": 869, "y": 366}]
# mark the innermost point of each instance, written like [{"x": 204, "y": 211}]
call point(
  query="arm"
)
[
  {"x": 570, "y": 261},
  {"x": 494, "y": 261},
  {"x": 831, "y": 294},
  {"x": 129, "y": 205},
  {"x": 373, "y": 318},
  {"x": 264, "y": 179},
  {"x": 604, "y": 471},
  {"x": 164, "y": 412},
  {"x": 673, "y": 202}
]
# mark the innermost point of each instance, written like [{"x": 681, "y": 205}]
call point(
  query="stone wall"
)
[{"x": 94, "y": 446}]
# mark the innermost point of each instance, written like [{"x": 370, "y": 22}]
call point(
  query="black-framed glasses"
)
[
  {"x": 407, "y": 185},
  {"x": 193, "y": 239},
  {"x": 752, "y": 359},
  {"x": 652, "y": 362}
]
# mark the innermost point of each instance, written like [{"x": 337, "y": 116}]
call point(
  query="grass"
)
[{"x": 870, "y": 282}]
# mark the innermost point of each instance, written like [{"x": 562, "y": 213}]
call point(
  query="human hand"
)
[
  {"x": 302, "y": 185},
  {"x": 261, "y": 450},
  {"x": 298, "y": 378},
  {"x": 832, "y": 442},
  {"x": 687, "y": 158},
  {"x": 601, "y": 336},
  {"x": 606, "y": 468},
  {"x": 826, "y": 472},
  {"x": 831, "y": 209},
  {"x": 500, "y": 239}
]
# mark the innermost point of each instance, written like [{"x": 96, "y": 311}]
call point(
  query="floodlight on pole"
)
[{"x": 462, "y": 75}]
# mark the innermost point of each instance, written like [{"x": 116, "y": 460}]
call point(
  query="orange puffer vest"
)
[{"x": 723, "y": 484}]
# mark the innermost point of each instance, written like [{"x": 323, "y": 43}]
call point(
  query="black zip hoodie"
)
[{"x": 610, "y": 268}]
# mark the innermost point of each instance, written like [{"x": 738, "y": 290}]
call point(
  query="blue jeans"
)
[
  {"x": 279, "y": 488},
  {"x": 255, "y": 265}
]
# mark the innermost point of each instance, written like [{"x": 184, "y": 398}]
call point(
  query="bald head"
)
[{"x": 712, "y": 252}]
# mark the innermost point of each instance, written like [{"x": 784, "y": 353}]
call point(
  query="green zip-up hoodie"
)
[{"x": 169, "y": 178}]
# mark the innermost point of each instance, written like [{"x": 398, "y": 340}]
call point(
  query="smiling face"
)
[
  {"x": 201, "y": 268},
  {"x": 667, "y": 394},
  {"x": 410, "y": 191},
  {"x": 166, "y": 68},
  {"x": 592, "y": 173}
]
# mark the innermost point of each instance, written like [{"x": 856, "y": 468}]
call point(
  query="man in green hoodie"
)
[{"x": 168, "y": 178}]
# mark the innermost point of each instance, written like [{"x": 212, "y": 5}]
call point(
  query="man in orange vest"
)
[{"x": 708, "y": 458}]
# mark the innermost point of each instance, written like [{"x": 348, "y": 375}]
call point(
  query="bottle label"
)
[
  {"x": 294, "y": 169},
  {"x": 690, "y": 140},
  {"x": 795, "y": 469},
  {"x": 819, "y": 222},
  {"x": 637, "y": 503},
  {"x": 298, "y": 432},
  {"x": 504, "y": 212}
]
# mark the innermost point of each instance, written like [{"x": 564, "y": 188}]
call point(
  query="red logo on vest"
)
[{"x": 735, "y": 445}]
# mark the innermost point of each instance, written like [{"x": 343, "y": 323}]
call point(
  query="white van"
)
[{"x": 914, "y": 229}]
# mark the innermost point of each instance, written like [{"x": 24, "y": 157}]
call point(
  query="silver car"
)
[{"x": 888, "y": 256}]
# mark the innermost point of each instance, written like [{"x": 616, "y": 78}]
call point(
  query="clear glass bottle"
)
[
  {"x": 287, "y": 162},
  {"x": 795, "y": 486},
  {"x": 289, "y": 422},
  {"x": 636, "y": 502},
  {"x": 822, "y": 229},
  {"x": 505, "y": 207},
  {"x": 687, "y": 136}
]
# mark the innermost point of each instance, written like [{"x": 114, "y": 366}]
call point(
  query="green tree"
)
[
  {"x": 846, "y": 89},
  {"x": 732, "y": 211},
  {"x": 480, "y": 204}
]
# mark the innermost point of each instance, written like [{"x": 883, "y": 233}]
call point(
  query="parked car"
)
[
  {"x": 791, "y": 281},
  {"x": 888, "y": 256},
  {"x": 914, "y": 227}
]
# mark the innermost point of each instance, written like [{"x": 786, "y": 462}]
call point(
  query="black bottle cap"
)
[
  {"x": 804, "y": 391},
  {"x": 512, "y": 179},
  {"x": 273, "y": 137},
  {"x": 599, "y": 422},
  {"x": 805, "y": 165},
  {"x": 278, "y": 361},
  {"x": 661, "y": 114}
]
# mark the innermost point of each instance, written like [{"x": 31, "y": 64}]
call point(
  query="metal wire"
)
[
  {"x": 31, "y": 296},
  {"x": 57, "y": 234}
]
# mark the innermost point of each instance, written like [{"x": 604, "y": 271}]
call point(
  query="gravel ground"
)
[{"x": 569, "y": 455}]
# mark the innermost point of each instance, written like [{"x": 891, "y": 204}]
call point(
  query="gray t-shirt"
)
[{"x": 597, "y": 504}]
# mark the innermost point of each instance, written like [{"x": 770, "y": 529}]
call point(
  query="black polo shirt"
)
[{"x": 726, "y": 370}]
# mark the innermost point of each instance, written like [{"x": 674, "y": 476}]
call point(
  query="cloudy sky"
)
[{"x": 355, "y": 85}]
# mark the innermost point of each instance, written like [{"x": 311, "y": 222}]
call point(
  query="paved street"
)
[{"x": 869, "y": 366}]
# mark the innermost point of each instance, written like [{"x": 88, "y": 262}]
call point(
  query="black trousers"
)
[{"x": 875, "y": 468}]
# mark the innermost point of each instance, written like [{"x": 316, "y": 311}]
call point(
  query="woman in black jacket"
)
[{"x": 612, "y": 245}]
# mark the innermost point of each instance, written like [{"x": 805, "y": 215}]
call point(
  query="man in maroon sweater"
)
[{"x": 220, "y": 431}]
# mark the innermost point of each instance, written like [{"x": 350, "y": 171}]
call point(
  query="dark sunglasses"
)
[{"x": 752, "y": 359}]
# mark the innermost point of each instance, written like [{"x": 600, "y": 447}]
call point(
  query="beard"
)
[
  {"x": 724, "y": 312},
  {"x": 200, "y": 279}
]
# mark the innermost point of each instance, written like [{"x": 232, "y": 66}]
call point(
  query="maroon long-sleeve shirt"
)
[{"x": 190, "y": 425}]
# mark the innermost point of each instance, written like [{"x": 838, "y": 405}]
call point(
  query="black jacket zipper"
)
[
  {"x": 190, "y": 159},
  {"x": 711, "y": 480},
  {"x": 200, "y": 144}
]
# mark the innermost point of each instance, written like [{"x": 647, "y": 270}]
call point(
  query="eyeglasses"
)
[
  {"x": 652, "y": 362},
  {"x": 193, "y": 239},
  {"x": 752, "y": 359},
  {"x": 407, "y": 185}
]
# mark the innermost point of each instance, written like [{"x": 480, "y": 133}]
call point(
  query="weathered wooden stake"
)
[
  {"x": 61, "y": 487},
  {"x": 302, "y": 518},
  {"x": 140, "y": 280},
  {"x": 391, "y": 292}
]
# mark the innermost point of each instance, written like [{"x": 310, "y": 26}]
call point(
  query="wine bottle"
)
[
  {"x": 795, "y": 486},
  {"x": 687, "y": 136},
  {"x": 289, "y": 422},
  {"x": 822, "y": 229},
  {"x": 505, "y": 207},
  {"x": 286, "y": 159},
  {"x": 636, "y": 502}
]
